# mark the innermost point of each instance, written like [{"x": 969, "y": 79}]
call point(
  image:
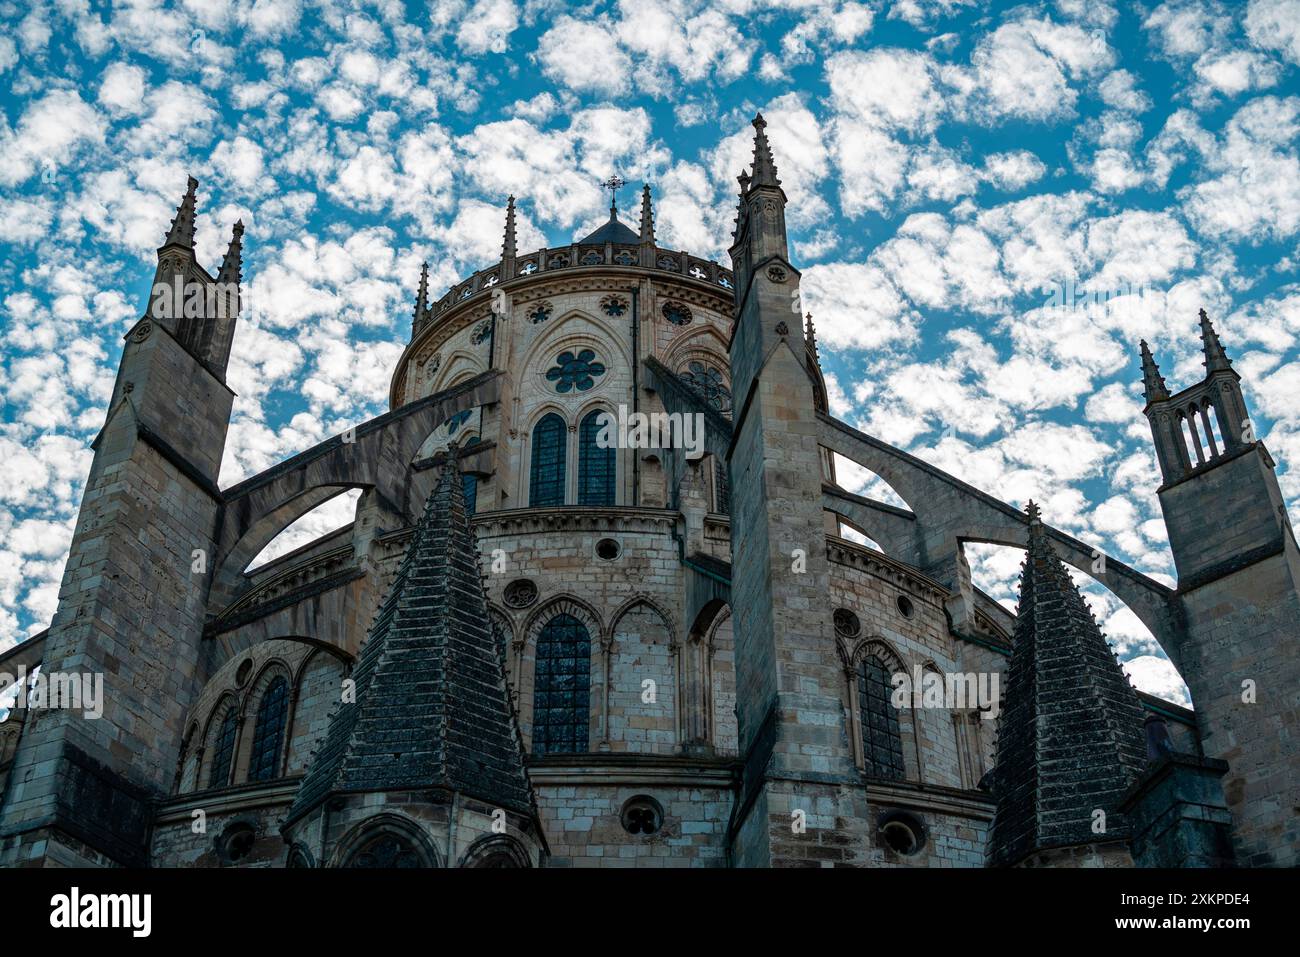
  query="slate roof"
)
[
  {"x": 432, "y": 708},
  {"x": 1069, "y": 733},
  {"x": 614, "y": 231}
]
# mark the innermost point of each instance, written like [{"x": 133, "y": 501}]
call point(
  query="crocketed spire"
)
[
  {"x": 1216, "y": 360},
  {"x": 1070, "y": 732},
  {"x": 422, "y": 294},
  {"x": 232, "y": 263},
  {"x": 1153, "y": 383},
  {"x": 764, "y": 171},
  {"x": 647, "y": 216},
  {"x": 181, "y": 232},
  {"x": 431, "y": 709},
  {"x": 508, "y": 247}
]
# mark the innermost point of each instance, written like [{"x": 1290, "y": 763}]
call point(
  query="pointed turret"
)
[
  {"x": 810, "y": 337},
  {"x": 432, "y": 709},
  {"x": 1070, "y": 733},
  {"x": 764, "y": 173},
  {"x": 181, "y": 232},
  {"x": 231, "y": 270},
  {"x": 1153, "y": 383},
  {"x": 1216, "y": 360},
  {"x": 647, "y": 217},
  {"x": 508, "y": 248},
  {"x": 422, "y": 294}
]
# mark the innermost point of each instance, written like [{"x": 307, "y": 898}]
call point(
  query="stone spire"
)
[
  {"x": 422, "y": 294},
  {"x": 508, "y": 248},
  {"x": 647, "y": 216},
  {"x": 764, "y": 171},
  {"x": 1216, "y": 360},
  {"x": 1153, "y": 383},
  {"x": 232, "y": 263},
  {"x": 181, "y": 232},
  {"x": 432, "y": 709},
  {"x": 810, "y": 337},
  {"x": 1070, "y": 732}
]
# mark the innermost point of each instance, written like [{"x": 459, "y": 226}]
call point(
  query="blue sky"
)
[{"x": 949, "y": 164}]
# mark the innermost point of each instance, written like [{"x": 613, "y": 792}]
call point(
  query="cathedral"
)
[{"x": 536, "y": 647}]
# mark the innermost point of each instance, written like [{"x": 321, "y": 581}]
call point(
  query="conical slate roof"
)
[
  {"x": 1070, "y": 732},
  {"x": 432, "y": 708},
  {"x": 614, "y": 231}
]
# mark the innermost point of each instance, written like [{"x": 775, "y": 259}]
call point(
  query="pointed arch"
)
[
  {"x": 408, "y": 836},
  {"x": 558, "y": 667},
  {"x": 597, "y": 466},
  {"x": 548, "y": 461},
  {"x": 642, "y": 705}
]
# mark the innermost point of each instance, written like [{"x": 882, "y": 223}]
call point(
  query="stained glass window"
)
[
  {"x": 264, "y": 763},
  {"x": 708, "y": 382},
  {"x": 882, "y": 743},
  {"x": 386, "y": 851},
  {"x": 575, "y": 371},
  {"x": 562, "y": 687},
  {"x": 676, "y": 313},
  {"x": 546, "y": 477},
  {"x": 595, "y": 465},
  {"x": 721, "y": 489},
  {"x": 224, "y": 749}
]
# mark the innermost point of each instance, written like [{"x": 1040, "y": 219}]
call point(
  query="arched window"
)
[
  {"x": 546, "y": 477},
  {"x": 386, "y": 850},
  {"x": 223, "y": 749},
  {"x": 882, "y": 742},
  {"x": 595, "y": 465},
  {"x": 264, "y": 763},
  {"x": 562, "y": 687},
  {"x": 469, "y": 482}
]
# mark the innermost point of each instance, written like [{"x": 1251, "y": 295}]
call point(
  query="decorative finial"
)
[
  {"x": 1153, "y": 383},
  {"x": 613, "y": 184},
  {"x": 1216, "y": 360},
  {"x": 422, "y": 295},
  {"x": 810, "y": 336},
  {"x": 181, "y": 232},
  {"x": 508, "y": 248},
  {"x": 1035, "y": 516},
  {"x": 647, "y": 216},
  {"x": 764, "y": 165},
  {"x": 231, "y": 264}
]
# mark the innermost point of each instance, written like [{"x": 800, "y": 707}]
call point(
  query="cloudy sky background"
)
[{"x": 948, "y": 168}]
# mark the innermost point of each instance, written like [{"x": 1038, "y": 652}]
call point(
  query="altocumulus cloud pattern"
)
[{"x": 968, "y": 184}]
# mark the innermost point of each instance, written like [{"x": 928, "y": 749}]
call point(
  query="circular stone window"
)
[
  {"x": 902, "y": 833},
  {"x": 235, "y": 842},
  {"x": 905, "y": 606},
  {"x": 607, "y": 549},
  {"x": 676, "y": 313},
  {"x": 520, "y": 593},
  {"x": 642, "y": 815},
  {"x": 847, "y": 623},
  {"x": 243, "y": 671}
]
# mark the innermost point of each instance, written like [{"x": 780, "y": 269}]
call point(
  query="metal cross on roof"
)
[{"x": 613, "y": 184}]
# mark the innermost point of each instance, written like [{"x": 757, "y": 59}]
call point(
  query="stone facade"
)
[{"x": 691, "y": 663}]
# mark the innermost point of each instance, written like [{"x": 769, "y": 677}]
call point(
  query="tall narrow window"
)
[
  {"x": 264, "y": 763},
  {"x": 595, "y": 465},
  {"x": 223, "y": 749},
  {"x": 882, "y": 742},
  {"x": 721, "y": 489},
  {"x": 562, "y": 687},
  {"x": 546, "y": 477}
]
